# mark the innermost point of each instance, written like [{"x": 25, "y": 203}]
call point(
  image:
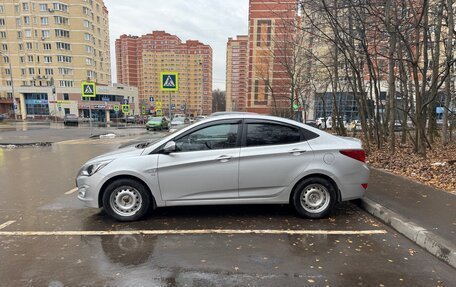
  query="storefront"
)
[{"x": 36, "y": 104}]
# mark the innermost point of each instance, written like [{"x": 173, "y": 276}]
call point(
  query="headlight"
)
[{"x": 90, "y": 169}]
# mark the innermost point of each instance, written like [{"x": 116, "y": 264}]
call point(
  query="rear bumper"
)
[{"x": 352, "y": 187}]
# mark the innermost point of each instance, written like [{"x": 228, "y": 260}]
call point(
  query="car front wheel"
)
[
  {"x": 314, "y": 197},
  {"x": 127, "y": 200}
]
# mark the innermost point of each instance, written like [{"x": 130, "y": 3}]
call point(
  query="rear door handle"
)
[
  {"x": 224, "y": 158},
  {"x": 297, "y": 151}
]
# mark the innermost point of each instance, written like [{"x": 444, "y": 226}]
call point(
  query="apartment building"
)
[
  {"x": 271, "y": 23},
  {"x": 50, "y": 46},
  {"x": 237, "y": 73},
  {"x": 140, "y": 60}
]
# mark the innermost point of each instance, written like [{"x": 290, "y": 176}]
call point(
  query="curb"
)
[
  {"x": 33, "y": 144},
  {"x": 426, "y": 239}
]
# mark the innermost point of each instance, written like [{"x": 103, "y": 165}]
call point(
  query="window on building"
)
[
  {"x": 48, "y": 59},
  {"x": 32, "y": 71},
  {"x": 64, "y": 59},
  {"x": 60, "y": 7},
  {"x": 25, "y": 6},
  {"x": 43, "y": 7},
  {"x": 88, "y": 49},
  {"x": 86, "y": 23},
  {"x": 66, "y": 97},
  {"x": 263, "y": 33},
  {"x": 1, "y": 8},
  {"x": 29, "y": 46},
  {"x": 30, "y": 58},
  {"x": 65, "y": 71},
  {"x": 62, "y": 33},
  {"x": 26, "y": 20},
  {"x": 6, "y": 59},
  {"x": 7, "y": 71},
  {"x": 5, "y": 47},
  {"x": 44, "y": 20},
  {"x": 47, "y": 46},
  {"x": 48, "y": 71},
  {"x": 89, "y": 61},
  {"x": 23, "y": 71},
  {"x": 28, "y": 33},
  {"x": 66, "y": 84},
  {"x": 2, "y": 22},
  {"x": 85, "y": 10},
  {"x": 87, "y": 36},
  {"x": 45, "y": 33},
  {"x": 63, "y": 46},
  {"x": 18, "y": 22},
  {"x": 61, "y": 20},
  {"x": 2, "y": 35}
]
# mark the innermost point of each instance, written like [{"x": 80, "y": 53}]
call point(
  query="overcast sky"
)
[{"x": 209, "y": 21}]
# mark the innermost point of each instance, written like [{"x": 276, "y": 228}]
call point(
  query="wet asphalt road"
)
[{"x": 33, "y": 184}]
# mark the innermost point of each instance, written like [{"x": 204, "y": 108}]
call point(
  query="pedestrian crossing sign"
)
[
  {"x": 125, "y": 109},
  {"x": 88, "y": 90},
  {"x": 169, "y": 81}
]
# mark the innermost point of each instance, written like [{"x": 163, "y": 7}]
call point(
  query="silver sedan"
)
[{"x": 228, "y": 159}]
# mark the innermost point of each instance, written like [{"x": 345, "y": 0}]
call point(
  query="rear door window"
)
[{"x": 261, "y": 134}]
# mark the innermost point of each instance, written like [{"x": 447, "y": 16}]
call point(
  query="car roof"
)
[{"x": 249, "y": 116}]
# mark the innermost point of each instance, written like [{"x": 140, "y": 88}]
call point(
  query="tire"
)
[
  {"x": 314, "y": 197},
  {"x": 134, "y": 195}
]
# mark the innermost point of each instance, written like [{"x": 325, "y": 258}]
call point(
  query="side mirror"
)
[{"x": 169, "y": 147}]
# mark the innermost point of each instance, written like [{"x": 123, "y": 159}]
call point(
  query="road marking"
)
[
  {"x": 191, "y": 231},
  {"x": 8, "y": 223},
  {"x": 72, "y": 190}
]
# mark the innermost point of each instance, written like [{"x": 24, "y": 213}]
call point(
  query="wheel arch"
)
[
  {"x": 123, "y": 176},
  {"x": 320, "y": 175}
]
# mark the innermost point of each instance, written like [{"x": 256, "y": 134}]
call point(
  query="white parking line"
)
[
  {"x": 7, "y": 224},
  {"x": 72, "y": 190},
  {"x": 191, "y": 231}
]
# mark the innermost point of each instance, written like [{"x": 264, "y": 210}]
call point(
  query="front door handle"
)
[
  {"x": 224, "y": 158},
  {"x": 297, "y": 151}
]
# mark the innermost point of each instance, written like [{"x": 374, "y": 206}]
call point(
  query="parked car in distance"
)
[
  {"x": 199, "y": 118},
  {"x": 130, "y": 119},
  {"x": 177, "y": 122},
  {"x": 176, "y": 116},
  {"x": 157, "y": 123},
  {"x": 233, "y": 159},
  {"x": 311, "y": 123},
  {"x": 70, "y": 120}
]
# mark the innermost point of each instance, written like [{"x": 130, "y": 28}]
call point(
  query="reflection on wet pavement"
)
[{"x": 219, "y": 260}]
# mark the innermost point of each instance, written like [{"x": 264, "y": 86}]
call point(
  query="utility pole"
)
[{"x": 54, "y": 96}]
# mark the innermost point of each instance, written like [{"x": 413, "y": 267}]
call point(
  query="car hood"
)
[
  {"x": 153, "y": 123},
  {"x": 120, "y": 153}
]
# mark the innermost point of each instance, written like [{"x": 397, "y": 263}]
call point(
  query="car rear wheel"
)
[
  {"x": 127, "y": 200},
  {"x": 314, "y": 197}
]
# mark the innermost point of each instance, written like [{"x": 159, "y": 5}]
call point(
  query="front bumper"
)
[{"x": 89, "y": 189}]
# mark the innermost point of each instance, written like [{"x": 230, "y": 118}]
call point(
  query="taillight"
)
[{"x": 357, "y": 154}]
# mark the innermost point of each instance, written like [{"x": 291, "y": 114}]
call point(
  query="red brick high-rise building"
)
[
  {"x": 237, "y": 63},
  {"x": 271, "y": 24},
  {"x": 140, "y": 60}
]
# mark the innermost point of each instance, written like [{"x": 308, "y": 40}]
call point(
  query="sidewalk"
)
[{"x": 418, "y": 211}]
